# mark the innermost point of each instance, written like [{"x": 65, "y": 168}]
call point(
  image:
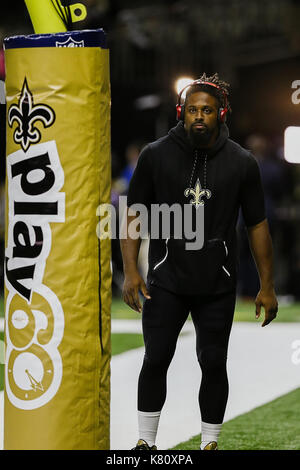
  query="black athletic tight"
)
[{"x": 163, "y": 318}]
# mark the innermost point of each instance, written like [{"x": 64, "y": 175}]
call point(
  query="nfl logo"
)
[{"x": 70, "y": 43}]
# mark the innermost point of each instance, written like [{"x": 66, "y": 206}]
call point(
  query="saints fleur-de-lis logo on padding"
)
[
  {"x": 198, "y": 193},
  {"x": 26, "y": 114}
]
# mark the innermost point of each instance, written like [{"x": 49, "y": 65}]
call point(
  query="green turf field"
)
[
  {"x": 121, "y": 342},
  {"x": 274, "y": 426}
]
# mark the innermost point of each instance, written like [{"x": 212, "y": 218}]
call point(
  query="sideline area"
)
[{"x": 260, "y": 369}]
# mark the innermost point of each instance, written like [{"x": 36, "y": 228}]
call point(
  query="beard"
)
[{"x": 199, "y": 138}]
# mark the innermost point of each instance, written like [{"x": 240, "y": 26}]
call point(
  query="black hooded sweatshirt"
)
[{"x": 165, "y": 169}]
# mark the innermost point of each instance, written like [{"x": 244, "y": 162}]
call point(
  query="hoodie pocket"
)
[{"x": 197, "y": 271}]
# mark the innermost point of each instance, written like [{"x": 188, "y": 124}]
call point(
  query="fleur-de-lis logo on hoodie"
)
[
  {"x": 198, "y": 193},
  {"x": 26, "y": 114}
]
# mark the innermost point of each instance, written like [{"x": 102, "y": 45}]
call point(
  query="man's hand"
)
[
  {"x": 266, "y": 299},
  {"x": 133, "y": 284},
  {"x": 262, "y": 251}
]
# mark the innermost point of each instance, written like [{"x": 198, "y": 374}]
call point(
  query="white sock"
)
[
  {"x": 148, "y": 425},
  {"x": 209, "y": 432}
]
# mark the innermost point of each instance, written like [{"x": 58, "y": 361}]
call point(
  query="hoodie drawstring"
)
[{"x": 194, "y": 168}]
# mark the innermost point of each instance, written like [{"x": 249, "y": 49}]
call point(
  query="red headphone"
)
[{"x": 222, "y": 111}]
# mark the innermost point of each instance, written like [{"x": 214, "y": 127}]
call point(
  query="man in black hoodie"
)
[{"x": 196, "y": 164}]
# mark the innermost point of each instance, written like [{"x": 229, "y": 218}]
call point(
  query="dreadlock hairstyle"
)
[{"x": 216, "y": 92}]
